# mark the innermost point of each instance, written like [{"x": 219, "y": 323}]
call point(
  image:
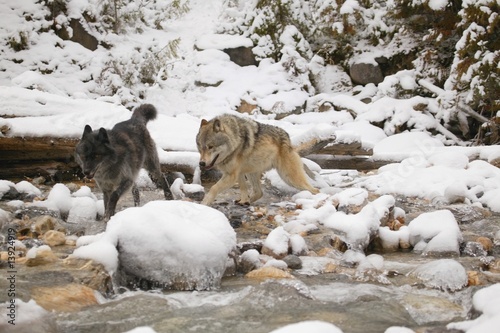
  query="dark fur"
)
[{"x": 114, "y": 157}]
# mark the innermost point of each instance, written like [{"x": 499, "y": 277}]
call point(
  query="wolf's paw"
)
[{"x": 239, "y": 202}]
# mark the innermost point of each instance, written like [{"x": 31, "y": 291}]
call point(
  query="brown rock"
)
[
  {"x": 43, "y": 257},
  {"x": 44, "y": 223},
  {"x": 68, "y": 298},
  {"x": 246, "y": 107},
  {"x": 269, "y": 273},
  {"x": 89, "y": 273},
  {"x": 486, "y": 243},
  {"x": 494, "y": 267},
  {"x": 54, "y": 238}
]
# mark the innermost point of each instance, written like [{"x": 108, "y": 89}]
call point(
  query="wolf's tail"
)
[{"x": 144, "y": 113}]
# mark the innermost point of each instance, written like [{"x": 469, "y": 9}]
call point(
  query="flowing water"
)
[{"x": 367, "y": 302}]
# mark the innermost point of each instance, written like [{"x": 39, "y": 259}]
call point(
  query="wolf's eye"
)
[{"x": 210, "y": 147}]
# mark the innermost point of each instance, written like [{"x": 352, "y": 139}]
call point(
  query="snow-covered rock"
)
[
  {"x": 172, "y": 244},
  {"x": 444, "y": 274},
  {"x": 435, "y": 232}
]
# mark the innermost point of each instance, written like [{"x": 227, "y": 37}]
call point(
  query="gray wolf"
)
[
  {"x": 243, "y": 149},
  {"x": 114, "y": 157}
]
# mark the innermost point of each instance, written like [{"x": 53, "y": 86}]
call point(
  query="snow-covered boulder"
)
[
  {"x": 167, "y": 244},
  {"x": 435, "y": 232},
  {"x": 444, "y": 274}
]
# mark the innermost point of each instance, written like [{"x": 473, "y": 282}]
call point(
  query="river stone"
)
[
  {"x": 40, "y": 256},
  {"x": 444, "y": 274},
  {"x": 293, "y": 261},
  {"x": 54, "y": 238},
  {"x": 67, "y": 298},
  {"x": 486, "y": 243},
  {"x": 269, "y": 272},
  {"x": 44, "y": 223}
]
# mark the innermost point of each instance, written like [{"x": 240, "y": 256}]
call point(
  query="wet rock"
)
[
  {"x": 89, "y": 273},
  {"x": 40, "y": 256},
  {"x": 67, "y": 298},
  {"x": 475, "y": 278},
  {"x": 486, "y": 243},
  {"x": 474, "y": 249},
  {"x": 494, "y": 267},
  {"x": 468, "y": 214},
  {"x": 293, "y": 261},
  {"x": 444, "y": 274},
  {"x": 54, "y": 238},
  {"x": 44, "y": 223},
  {"x": 423, "y": 307},
  {"x": 269, "y": 272}
]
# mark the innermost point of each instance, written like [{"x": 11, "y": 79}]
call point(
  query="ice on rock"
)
[
  {"x": 171, "y": 244},
  {"x": 444, "y": 274},
  {"x": 435, "y": 232}
]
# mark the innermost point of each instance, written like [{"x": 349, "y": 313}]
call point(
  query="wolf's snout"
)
[{"x": 203, "y": 164}]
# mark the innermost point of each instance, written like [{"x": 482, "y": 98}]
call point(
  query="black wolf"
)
[{"x": 114, "y": 157}]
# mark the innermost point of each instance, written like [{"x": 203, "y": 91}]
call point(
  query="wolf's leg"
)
[
  {"x": 115, "y": 196},
  {"x": 291, "y": 170},
  {"x": 254, "y": 179},
  {"x": 152, "y": 165},
  {"x": 243, "y": 191},
  {"x": 223, "y": 184},
  {"x": 136, "y": 195},
  {"x": 106, "y": 195}
]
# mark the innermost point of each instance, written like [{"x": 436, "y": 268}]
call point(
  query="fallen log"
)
[
  {"x": 53, "y": 158},
  {"x": 360, "y": 163}
]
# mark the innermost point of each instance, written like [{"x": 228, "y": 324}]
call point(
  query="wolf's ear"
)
[
  {"x": 217, "y": 126},
  {"x": 103, "y": 135},
  {"x": 86, "y": 131},
  {"x": 203, "y": 122}
]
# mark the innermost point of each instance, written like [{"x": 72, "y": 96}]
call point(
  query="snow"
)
[
  {"x": 435, "y": 232},
  {"x": 486, "y": 301},
  {"x": 163, "y": 241},
  {"x": 313, "y": 326}
]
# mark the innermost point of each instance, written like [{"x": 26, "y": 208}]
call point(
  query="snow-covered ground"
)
[{"x": 61, "y": 102}]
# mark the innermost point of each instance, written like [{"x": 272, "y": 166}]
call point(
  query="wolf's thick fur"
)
[
  {"x": 242, "y": 149},
  {"x": 114, "y": 157}
]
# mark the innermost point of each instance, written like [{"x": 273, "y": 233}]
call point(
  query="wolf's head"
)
[
  {"x": 214, "y": 143},
  {"x": 92, "y": 150}
]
